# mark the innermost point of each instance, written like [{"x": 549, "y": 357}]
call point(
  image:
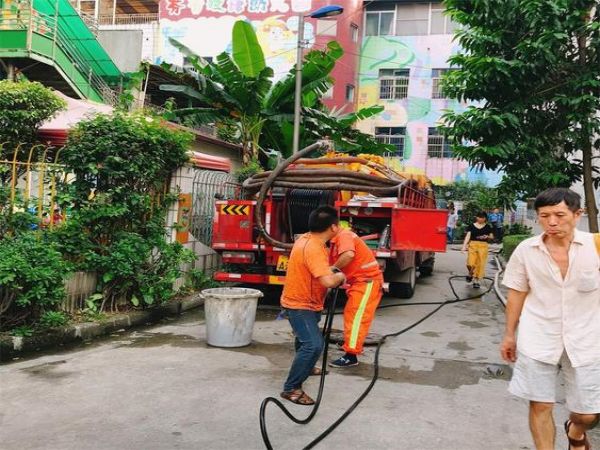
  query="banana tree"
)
[{"x": 239, "y": 88}]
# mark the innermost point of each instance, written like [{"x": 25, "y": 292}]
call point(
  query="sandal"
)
[
  {"x": 317, "y": 371},
  {"x": 576, "y": 442},
  {"x": 298, "y": 396}
]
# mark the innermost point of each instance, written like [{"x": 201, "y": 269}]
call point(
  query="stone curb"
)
[{"x": 11, "y": 346}]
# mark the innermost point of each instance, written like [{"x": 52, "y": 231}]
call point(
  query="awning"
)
[{"x": 56, "y": 130}]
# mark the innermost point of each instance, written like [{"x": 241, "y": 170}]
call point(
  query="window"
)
[
  {"x": 437, "y": 146},
  {"x": 440, "y": 22},
  {"x": 412, "y": 19},
  {"x": 392, "y": 135},
  {"x": 354, "y": 32},
  {"x": 380, "y": 23},
  {"x": 408, "y": 19},
  {"x": 349, "y": 93},
  {"x": 436, "y": 91},
  {"x": 393, "y": 83}
]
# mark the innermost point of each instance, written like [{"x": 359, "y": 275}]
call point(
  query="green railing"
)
[{"x": 44, "y": 37}]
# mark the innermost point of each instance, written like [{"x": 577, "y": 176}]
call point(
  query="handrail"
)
[{"x": 127, "y": 19}]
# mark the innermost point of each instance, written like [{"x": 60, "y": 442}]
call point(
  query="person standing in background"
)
[
  {"x": 451, "y": 225},
  {"x": 496, "y": 219},
  {"x": 476, "y": 242}
]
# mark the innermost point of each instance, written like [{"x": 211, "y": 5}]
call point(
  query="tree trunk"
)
[
  {"x": 586, "y": 140},
  {"x": 588, "y": 186}
]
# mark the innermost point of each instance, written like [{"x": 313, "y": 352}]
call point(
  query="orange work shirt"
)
[
  {"x": 309, "y": 260},
  {"x": 364, "y": 266}
]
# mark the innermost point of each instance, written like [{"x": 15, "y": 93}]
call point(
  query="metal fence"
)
[
  {"x": 30, "y": 180},
  {"x": 208, "y": 187}
]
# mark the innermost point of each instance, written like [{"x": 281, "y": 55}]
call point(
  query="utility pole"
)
[{"x": 298, "y": 92}]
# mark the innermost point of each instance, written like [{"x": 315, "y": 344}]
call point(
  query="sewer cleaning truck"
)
[{"x": 393, "y": 212}]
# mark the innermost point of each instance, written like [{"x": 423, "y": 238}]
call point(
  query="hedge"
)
[{"x": 509, "y": 243}]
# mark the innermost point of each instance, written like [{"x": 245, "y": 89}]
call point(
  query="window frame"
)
[
  {"x": 379, "y": 13},
  {"x": 435, "y": 148},
  {"x": 350, "y": 88},
  {"x": 395, "y": 88},
  {"x": 386, "y": 138},
  {"x": 436, "y": 87},
  {"x": 354, "y": 32},
  {"x": 432, "y": 6}
]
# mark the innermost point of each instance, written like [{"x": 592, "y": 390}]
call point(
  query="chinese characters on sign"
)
[{"x": 197, "y": 7}]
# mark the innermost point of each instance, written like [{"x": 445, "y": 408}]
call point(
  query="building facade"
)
[
  {"x": 404, "y": 53},
  {"x": 205, "y": 27}
]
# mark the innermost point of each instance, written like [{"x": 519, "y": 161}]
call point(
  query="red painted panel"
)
[
  {"x": 233, "y": 222},
  {"x": 419, "y": 229}
]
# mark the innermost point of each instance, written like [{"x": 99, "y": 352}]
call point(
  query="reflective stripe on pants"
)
[{"x": 363, "y": 299}]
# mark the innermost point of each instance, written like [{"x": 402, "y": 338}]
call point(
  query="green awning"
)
[{"x": 72, "y": 27}]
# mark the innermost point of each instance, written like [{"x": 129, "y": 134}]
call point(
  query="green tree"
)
[
  {"x": 239, "y": 89},
  {"x": 531, "y": 67},
  {"x": 24, "y": 106}
]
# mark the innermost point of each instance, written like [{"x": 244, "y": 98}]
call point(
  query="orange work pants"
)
[{"x": 363, "y": 299}]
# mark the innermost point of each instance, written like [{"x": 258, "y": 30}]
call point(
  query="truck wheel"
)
[
  {"x": 426, "y": 271},
  {"x": 405, "y": 290}
]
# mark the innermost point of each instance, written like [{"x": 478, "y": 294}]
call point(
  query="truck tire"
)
[
  {"x": 405, "y": 290},
  {"x": 426, "y": 270}
]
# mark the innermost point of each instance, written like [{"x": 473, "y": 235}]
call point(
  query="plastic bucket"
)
[{"x": 230, "y": 314}]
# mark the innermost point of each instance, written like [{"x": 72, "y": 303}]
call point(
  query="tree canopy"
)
[
  {"x": 24, "y": 106},
  {"x": 531, "y": 69}
]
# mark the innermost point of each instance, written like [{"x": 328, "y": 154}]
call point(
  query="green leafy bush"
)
[
  {"x": 140, "y": 270},
  {"x": 32, "y": 272},
  {"x": 123, "y": 164},
  {"x": 509, "y": 243},
  {"x": 24, "y": 106},
  {"x": 250, "y": 169},
  {"x": 517, "y": 229},
  {"x": 22, "y": 331},
  {"x": 52, "y": 319}
]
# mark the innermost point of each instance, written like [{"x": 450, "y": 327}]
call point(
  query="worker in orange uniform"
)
[
  {"x": 357, "y": 262},
  {"x": 308, "y": 277}
]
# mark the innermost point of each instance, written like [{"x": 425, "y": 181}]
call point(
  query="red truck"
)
[{"x": 403, "y": 230}]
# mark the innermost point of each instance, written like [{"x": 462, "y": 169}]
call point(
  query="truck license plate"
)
[{"x": 282, "y": 263}]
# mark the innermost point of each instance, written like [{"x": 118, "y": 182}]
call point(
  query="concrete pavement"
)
[{"x": 162, "y": 387}]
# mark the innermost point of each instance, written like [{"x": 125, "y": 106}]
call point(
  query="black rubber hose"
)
[
  {"x": 267, "y": 184},
  {"x": 326, "y": 333},
  {"x": 330, "y": 313}
]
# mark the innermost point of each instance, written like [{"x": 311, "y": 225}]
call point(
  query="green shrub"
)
[
  {"x": 33, "y": 271},
  {"x": 24, "y": 106},
  {"x": 250, "y": 169},
  {"x": 51, "y": 319},
  {"x": 518, "y": 229},
  {"x": 509, "y": 243}
]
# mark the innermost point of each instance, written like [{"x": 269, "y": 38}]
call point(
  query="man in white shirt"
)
[{"x": 554, "y": 299}]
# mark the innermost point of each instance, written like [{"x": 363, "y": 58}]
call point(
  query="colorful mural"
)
[
  {"x": 418, "y": 111},
  {"x": 205, "y": 27}
]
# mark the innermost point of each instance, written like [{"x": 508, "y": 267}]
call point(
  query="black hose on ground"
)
[
  {"x": 326, "y": 333},
  {"x": 329, "y": 320}
]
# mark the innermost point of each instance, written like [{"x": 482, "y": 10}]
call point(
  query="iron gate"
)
[{"x": 208, "y": 187}]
